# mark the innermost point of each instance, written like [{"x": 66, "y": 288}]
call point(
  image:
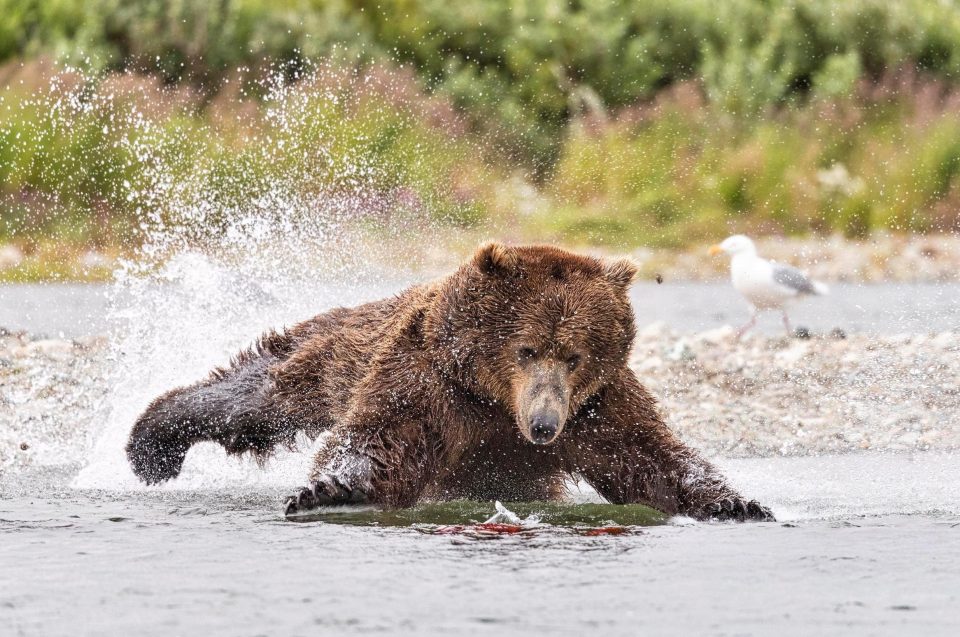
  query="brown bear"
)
[{"x": 498, "y": 381}]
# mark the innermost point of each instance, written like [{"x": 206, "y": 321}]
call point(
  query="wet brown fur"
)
[{"x": 420, "y": 394}]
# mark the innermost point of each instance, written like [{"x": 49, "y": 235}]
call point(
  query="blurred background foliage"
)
[{"x": 605, "y": 122}]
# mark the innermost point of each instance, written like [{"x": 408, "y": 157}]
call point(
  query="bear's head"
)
[{"x": 537, "y": 329}]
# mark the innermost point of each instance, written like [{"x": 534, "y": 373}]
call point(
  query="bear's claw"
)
[
  {"x": 737, "y": 509},
  {"x": 328, "y": 490}
]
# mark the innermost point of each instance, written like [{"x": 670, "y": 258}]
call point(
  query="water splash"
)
[{"x": 312, "y": 227}]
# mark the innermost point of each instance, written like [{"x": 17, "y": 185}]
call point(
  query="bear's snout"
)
[
  {"x": 543, "y": 396},
  {"x": 544, "y": 426}
]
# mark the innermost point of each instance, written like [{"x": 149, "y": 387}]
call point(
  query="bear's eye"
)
[
  {"x": 573, "y": 361},
  {"x": 526, "y": 354}
]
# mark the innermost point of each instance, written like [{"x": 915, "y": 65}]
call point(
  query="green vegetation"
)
[
  {"x": 519, "y": 68},
  {"x": 87, "y": 161},
  {"x": 581, "y": 517},
  {"x": 886, "y": 158},
  {"x": 610, "y": 122}
]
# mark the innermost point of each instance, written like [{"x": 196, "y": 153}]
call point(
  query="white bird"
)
[{"x": 766, "y": 285}]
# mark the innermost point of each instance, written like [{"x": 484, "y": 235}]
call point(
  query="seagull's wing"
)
[{"x": 793, "y": 279}]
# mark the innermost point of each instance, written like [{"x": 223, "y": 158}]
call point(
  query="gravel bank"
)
[
  {"x": 914, "y": 258},
  {"x": 778, "y": 396},
  {"x": 760, "y": 397}
]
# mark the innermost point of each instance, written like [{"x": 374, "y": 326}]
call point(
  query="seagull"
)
[{"x": 766, "y": 285}]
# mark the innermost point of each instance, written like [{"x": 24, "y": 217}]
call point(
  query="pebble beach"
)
[{"x": 760, "y": 397}]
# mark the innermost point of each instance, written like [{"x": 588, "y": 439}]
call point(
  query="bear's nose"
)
[{"x": 543, "y": 426}]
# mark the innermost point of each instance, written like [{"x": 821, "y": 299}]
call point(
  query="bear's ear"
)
[
  {"x": 621, "y": 272},
  {"x": 494, "y": 257}
]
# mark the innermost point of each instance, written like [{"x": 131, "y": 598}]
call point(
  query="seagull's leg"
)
[
  {"x": 743, "y": 330},
  {"x": 786, "y": 323}
]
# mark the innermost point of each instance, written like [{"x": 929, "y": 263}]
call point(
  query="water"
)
[
  {"x": 75, "y": 310},
  {"x": 866, "y": 544}
]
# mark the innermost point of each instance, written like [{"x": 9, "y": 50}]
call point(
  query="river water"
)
[
  {"x": 864, "y": 543},
  {"x": 74, "y": 310}
]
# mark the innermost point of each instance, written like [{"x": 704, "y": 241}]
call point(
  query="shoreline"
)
[
  {"x": 881, "y": 258},
  {"x": 878, "y": 259}
]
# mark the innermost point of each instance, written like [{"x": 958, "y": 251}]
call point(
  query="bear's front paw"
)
[
  {"x": 154, "y": 459},
  {"x": 736, "y": 509},
  {"x": 329, "y": 490}
]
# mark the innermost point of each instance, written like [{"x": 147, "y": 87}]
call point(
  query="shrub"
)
[
  {"x": 673, "y": 174},
  {"x": 122, "y": 147},
  {"x": 521, "y": 70}
]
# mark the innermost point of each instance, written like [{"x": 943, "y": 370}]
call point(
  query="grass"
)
[
  {"x": 90, "y": 163},
  {"x": 674, "y": 172},
  {"x": 519, "y": 71}
]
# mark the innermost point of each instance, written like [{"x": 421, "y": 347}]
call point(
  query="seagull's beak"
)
[{"x": 715, "y": 250}]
